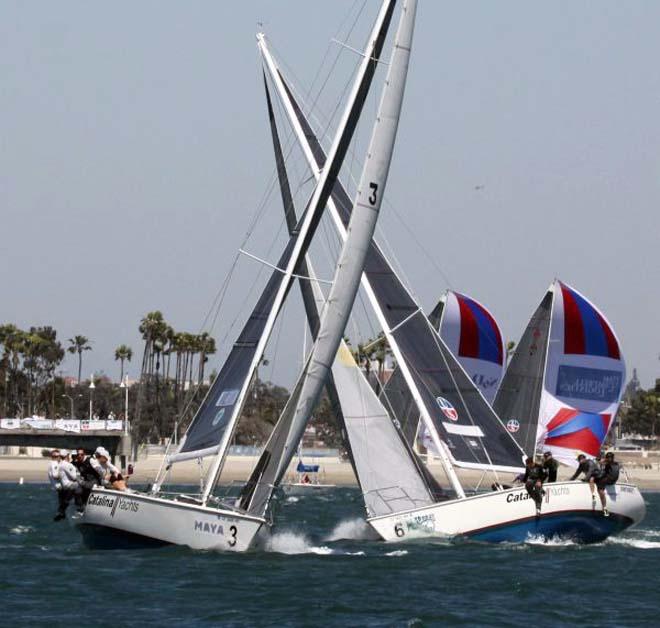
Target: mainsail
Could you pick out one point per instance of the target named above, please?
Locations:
(474, 436)
(565, 381)
(518, 399)
(281, 446)
(213, 425)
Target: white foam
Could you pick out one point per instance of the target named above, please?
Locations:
(636, 543)
(352, 529)
(21, 530)
(555, 541)
(397, 553)
(294, 543)
(292, 500)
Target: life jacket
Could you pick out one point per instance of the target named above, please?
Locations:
(87, 471)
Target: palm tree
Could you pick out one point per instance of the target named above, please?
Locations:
(78, 344)
(123, 353)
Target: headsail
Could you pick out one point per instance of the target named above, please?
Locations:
(474, 337)
(584, 377)
(563, 386)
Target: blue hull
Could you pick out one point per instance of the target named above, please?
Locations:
(580, 526)
(104, 538)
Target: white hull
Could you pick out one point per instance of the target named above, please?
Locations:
(568, 511)
(115, 519)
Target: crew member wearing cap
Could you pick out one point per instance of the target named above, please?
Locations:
(550, 465)
(608, 476)
(56, 483)
(109, 473)
(69, 478)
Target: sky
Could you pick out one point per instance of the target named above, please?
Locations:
(135, 153)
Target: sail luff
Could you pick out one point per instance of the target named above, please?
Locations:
(351, 263)
(312, 216)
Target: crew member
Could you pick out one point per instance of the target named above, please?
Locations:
(608, 476)
(69, 479)
(586, 466)
(550, 465)
(90, 474)
(534, 477)
(56, 483)
(109, 473)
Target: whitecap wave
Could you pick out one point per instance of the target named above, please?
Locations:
(21, 530)
(292, 499)
(294, 543)
(397, 553)
(636, 543)
(352, 529)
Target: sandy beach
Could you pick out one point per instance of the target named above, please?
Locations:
(333, 471)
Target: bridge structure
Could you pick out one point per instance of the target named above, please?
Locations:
(116, 442)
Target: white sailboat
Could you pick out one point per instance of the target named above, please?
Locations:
(401, 500)
(113, 518)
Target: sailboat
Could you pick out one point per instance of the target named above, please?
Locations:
(564, 384)
(113, 518)
(401, 500)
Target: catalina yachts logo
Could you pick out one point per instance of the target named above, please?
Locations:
(512, 425)
(447, 409)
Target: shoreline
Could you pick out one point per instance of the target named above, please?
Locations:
(333, 471)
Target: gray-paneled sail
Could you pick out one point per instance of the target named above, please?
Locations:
(477, 437)
(519, 397)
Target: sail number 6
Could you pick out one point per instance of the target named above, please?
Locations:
(398, 530)
(374, 189)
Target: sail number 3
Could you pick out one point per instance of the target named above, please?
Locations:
(233, 531)
(374, 189)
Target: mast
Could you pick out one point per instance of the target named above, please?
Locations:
(313, 161)
(312, 215)
(349, 267)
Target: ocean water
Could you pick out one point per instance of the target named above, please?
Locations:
(321, 567)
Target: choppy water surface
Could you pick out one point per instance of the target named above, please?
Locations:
(322, 567)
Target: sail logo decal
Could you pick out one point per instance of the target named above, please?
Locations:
(513, 425)
(218, 417)
(206, 527)
(227, 397)
(577, 382)
(580, 431)
(447, 409)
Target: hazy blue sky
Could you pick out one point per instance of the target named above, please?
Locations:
(134, 149)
